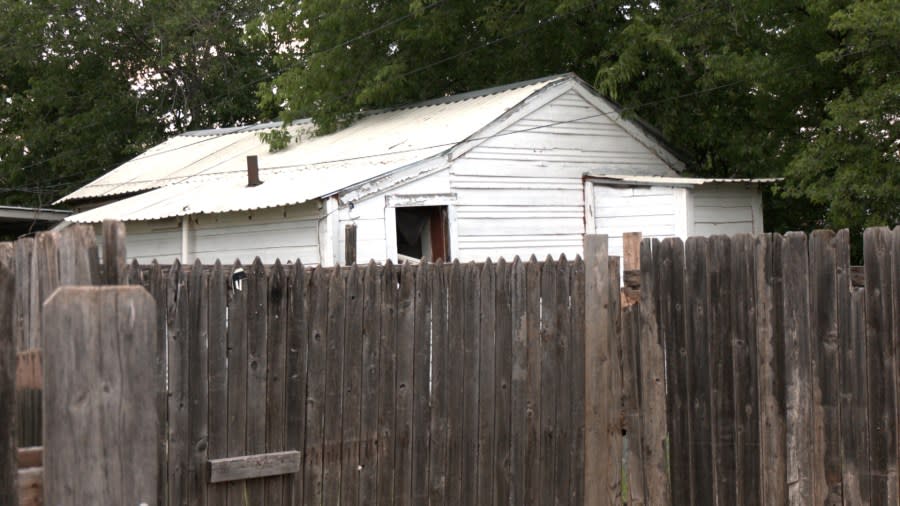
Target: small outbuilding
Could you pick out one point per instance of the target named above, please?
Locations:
(522, 169)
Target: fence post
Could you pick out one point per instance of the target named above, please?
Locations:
(601, 471)
(100, 385)
(8, 464)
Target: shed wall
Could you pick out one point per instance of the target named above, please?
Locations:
(726, 209)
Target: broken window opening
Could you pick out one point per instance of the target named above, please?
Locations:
(423, 232)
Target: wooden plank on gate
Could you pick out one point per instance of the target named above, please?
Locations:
(455, 320)
(158, 288)
(371, 331)
(334, 362)
(178, 323)
(564, 423)
(352, 382)
(503, 353)
(405, 357)
(420, 385)
(98, 340)
(8, 467)
(218, 374)
(315, 397)
(114, 256)
(653, 383)
(631, 405)
(549, 383)
(576, 371)
(79, 263)
(254, 466)
(851, 316)
(881, 363)
(237, 379)
(721, 361)
(256, 286)
(823, 324)
(44, 280)
(697, 347)
(518, 384)
(487, 401)
(276, 360)
(440, 388)
(198, 382)
(28, 371)
(24, 249)
(471, 329)
(387, 386)
(770, 364)
(599, 403)
(8, 255)
(798, 373)
(295, 374)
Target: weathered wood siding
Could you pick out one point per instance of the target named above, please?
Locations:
(725, 209)
(521, 193)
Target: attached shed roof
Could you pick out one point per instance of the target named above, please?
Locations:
(674, 181)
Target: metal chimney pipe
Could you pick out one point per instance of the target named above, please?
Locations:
(253, 171)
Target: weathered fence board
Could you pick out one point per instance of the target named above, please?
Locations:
(100, 390)
(8, 465)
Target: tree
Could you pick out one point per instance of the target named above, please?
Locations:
(86, 85)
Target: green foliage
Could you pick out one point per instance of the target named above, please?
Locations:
(277, 139)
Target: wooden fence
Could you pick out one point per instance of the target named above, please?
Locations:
(752, 371)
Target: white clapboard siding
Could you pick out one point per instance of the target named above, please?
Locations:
(286, 233)
(158, 240)
(726, 209)
(651, 210)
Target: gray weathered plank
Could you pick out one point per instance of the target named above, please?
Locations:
(387, 386)
(440, 388)
(24, 249)
(44, 280)
(471, 329)
(371, 331)
(455, 365)
(503, 353)
(115, 258)
(256, 286)
(158, 288)
(78, 256)
(334, 363)
(276, 361)
(198, 381)
(8, 466)
(315, 394)
(563, 358)
(721, 362)
(237, 382)
(254, 466)
(177, 332)
(99, 386)
(487, 401)
(881, 365)
(518, 384)
(352, 384)
(217, 360)
(549, 383)
(420, 385)
(295, 375)
(406, 303)
(576, 371)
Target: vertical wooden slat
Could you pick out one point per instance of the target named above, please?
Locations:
(295, 375)
(575, 370)
(198, 379)
(549, 383)
(851, 316)
(420, 386)
(721, 369)
(696, 298)
(823, 329)
(471, 352)
(455, 366)
(893, 292)
(179, 452)
(8, 466)
(881, 364)
(798, 373)
(24, 249)
(653, 383)
(440, 387)
(503, 352)
(352, 383)
(158, 289)
(44, 280)
(237, 382)
(387, 386)
(563, 455)
(533, 436)
(257, 365)
(518, 384)
(770, 363)
(313, 466)
(406, 307)
(276, 360)
(217, 356)
(334, 361)
(100, 434)
(744, 352)
(486, 387)
(78, 256)
(114, 255)
(631, 404)
(600, 479)
(670, 271)
(371, 331)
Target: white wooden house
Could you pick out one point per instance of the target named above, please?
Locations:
(522, 169)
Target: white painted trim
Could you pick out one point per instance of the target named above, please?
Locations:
(329, 239)
(390, 232)
(606, 107)
(757, 210)
(399, 177)
(420, 200)
(590, 223)
(690, 222)
(550, 92)
(452, 231)
(185, 239)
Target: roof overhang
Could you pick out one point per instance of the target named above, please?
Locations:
(682, 182)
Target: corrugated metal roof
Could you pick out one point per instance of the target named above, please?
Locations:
(675, 181)
(375, 144)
